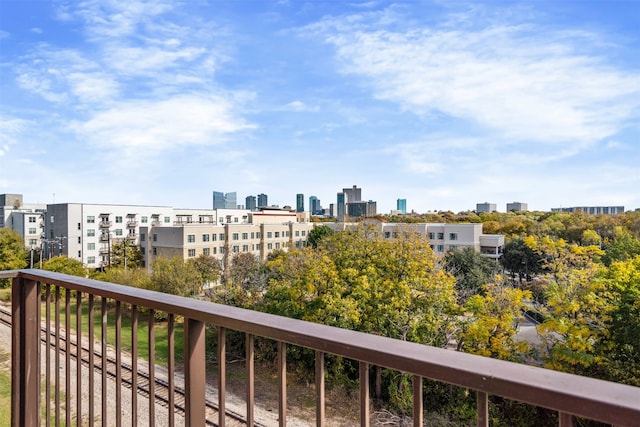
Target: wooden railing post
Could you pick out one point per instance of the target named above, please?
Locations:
(25, 354)
(195, 373)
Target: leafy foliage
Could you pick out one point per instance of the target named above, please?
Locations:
(62, 264)
(13, 254)
(471, 270)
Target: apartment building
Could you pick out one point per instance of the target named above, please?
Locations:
(86, 232)
(592, 210)
(441, 236)
(27, 220)
(221, 241)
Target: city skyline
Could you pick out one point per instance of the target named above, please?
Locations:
(443, 104)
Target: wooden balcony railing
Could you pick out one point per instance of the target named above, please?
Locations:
(36, 293)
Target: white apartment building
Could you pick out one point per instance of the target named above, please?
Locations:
(441, 236)
(24, 219)
(85, 232)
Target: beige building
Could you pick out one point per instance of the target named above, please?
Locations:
(441, 236)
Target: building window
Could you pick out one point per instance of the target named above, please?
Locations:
(431, 235)
(155, 251)
(235, 219)
(191, 238)
(269, 246)
(304, 233)
(253, 235)
(297, 233)
(91, 246)
(119, 220)
(245, 236)
(206, 251)
(245, 248)
(258, 247)
(214, 237)
(387, 234)
(258, 235)
(222, 237)
(91, 260)
(118, 231)
(155, 238)
(269, 234)
(215, 250)
(236, 249)
(33, 242)
(167, 219)
(142, 250)
(90, 220)
(144, 219)
(192, 252)
(221, 250)
(205, 237)
(235, 236)
(79, 226)
(143, 237)
(440, 248)
(91, 232)
(277, 234)
(286, 233)
(453, 236)
(277, 245)
(32, 219)
(440, 236)
(79, 239)
(32, 231)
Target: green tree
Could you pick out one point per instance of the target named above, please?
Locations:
(62, 264)
(472, 271)
(318, 233)
(13, 254)
(208, 268)
(622, 247)
(174, 276)
(521, 260)
(126, 254)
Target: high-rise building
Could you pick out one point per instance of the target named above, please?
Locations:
(218, 200)
(517, 207)
(262, 200)
(299, 202)
(231, 200)
(314, 205)
(341, 206)
(361, 209)
(401, 205)
(225, 200)
(593, 210)
(485, 207)
(250, 203)
(354, 194)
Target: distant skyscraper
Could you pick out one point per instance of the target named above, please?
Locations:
(314, 205)
(224, 201)
(218, 200)
(262, 200)
(361, 209)
(517, 207)
(401, 205)
(485, 207)
(299, 202)
(231, 200)
(354, 194)
(250, 203)
(341, 206)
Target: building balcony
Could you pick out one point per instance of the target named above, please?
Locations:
(104, 224)
(132, 224)
(104, 237)
(131, 236)
(155, 223)
(103, 251)
(56, 385)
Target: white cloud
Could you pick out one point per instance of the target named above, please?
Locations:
(155, 126)
(36, 30)
(299, 106)
(522, 82)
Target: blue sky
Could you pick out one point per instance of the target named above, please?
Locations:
(444, 103)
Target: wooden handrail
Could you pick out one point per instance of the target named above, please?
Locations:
(566, 393)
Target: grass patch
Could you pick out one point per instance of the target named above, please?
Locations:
(5, 294)
(5, 390)
(160, 328)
